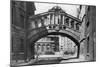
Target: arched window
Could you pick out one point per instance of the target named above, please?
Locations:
(72, 23)
(67, 21)
(88, 8)
(77, 26)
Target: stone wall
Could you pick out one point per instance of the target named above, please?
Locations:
(88, 31)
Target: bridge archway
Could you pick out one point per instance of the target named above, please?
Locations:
(55, 22)
(32, 43)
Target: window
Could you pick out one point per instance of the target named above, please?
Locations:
(21, 19)
(61, 47)
(48, 46)
(38, 46)
(80, 7)
(88, 8)
(43, 46)
(77, 26)
(22, 45)
(72, 23)
(88, 44)
(88, 24)
(67, 21)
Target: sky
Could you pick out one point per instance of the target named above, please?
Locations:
(43, 7)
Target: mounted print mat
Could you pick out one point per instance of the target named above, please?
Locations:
(52, 33)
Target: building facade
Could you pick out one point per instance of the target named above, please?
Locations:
(55, 45)
(20, 11)
(88, 30)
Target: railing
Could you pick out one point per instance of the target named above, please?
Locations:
(54, 20)
(61, 27)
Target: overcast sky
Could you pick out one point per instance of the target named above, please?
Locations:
(43, 7)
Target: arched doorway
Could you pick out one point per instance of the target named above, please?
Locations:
(56, 45)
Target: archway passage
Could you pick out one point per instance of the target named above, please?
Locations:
(53, 22)
(54, 48)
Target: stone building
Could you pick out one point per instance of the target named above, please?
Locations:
(47, 45)
(88, 32)
(55, 45)
(20, 11)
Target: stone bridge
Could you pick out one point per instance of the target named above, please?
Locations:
(54, 21)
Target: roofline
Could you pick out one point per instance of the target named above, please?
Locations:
(46, 13)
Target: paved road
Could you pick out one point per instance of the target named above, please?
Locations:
(42, 62)
(48, 62)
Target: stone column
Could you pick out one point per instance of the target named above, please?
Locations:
(42, 22)
(56, 22)
(63, 20)
(52, 19)
(70, 23)
(59, 19)
(75, 25)
(49, 19)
